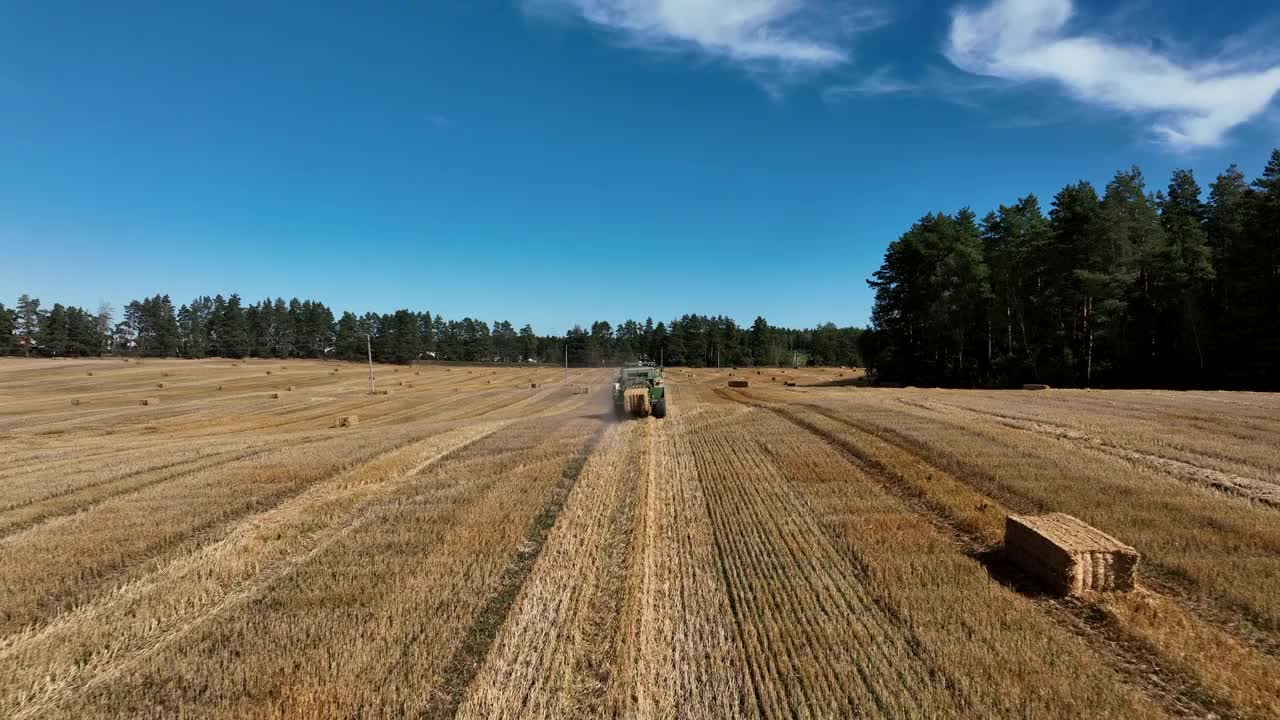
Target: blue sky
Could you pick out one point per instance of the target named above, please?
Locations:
(560, 161)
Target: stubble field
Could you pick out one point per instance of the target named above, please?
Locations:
(477, 547)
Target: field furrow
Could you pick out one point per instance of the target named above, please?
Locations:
(329, 633)
(552, 658)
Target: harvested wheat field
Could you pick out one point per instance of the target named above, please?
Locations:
(490, 543)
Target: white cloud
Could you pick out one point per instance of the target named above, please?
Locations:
(1194, 103)
(882, 81)
(793, 34)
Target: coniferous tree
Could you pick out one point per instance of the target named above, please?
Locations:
(8, 326)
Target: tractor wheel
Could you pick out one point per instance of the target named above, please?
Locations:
(660, 408)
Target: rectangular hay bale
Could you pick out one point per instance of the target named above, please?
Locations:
(346, 421)
(1068, 555)
(150, 401)
(1035, 386)
(274, 395)
(738, 383)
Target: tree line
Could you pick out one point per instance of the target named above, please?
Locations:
(227, 327)
(1127, 288)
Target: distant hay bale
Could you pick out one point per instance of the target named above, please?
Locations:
(125, 359)
(789, 384)
(75, 401)
(346, 421)
(738, 383)
(533, 385)
(274, 395)
(1035, 386)
(1068, 555)
(268, 372)
(581, 390)
(164, 374)
(149, 401)
(160, 385)
(289, 388)
(219, 387)
(759, 373)
(382, 392)
(399, 382)
(89, 373)
(417, 372)
(395, 370)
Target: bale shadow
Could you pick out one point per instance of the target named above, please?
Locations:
(1008, 573)
(839, 382)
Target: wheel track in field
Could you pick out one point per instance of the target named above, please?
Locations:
(479, 636)
(213, 528)
(114, 488)
(188, 621)
(1256, 490)
(1129, 655)
(21, 463)
(766, 533)
(26, 466)
(1238, 620)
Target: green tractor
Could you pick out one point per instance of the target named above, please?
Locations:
(639, 391)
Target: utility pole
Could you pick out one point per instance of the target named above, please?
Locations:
(566, 363)
(368, 346)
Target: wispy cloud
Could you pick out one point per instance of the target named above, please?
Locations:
(436, 119)
(1194, 103)
(787, 35)
(882, 81)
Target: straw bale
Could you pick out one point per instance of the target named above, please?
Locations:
(346, 421)
(1035, 386)
(636, 400)
(738, 383)
(1069, 556)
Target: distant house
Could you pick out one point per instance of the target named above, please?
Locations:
(26, 344)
